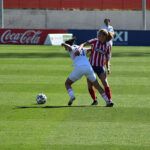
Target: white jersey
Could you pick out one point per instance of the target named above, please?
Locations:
(82, 65)
(109, 29)
(80, 60)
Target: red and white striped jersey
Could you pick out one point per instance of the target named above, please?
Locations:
(100, 52)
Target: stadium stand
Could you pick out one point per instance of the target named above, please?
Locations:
(75, 4)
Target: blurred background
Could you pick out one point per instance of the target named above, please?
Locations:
(80, 15)
(74, 14)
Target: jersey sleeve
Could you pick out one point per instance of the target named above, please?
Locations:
(92, 41)
(111, 29)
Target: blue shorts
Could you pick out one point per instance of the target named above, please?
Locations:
(99, 70)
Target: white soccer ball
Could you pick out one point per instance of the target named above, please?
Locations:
(41, 98)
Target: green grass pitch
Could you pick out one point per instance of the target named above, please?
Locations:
(26, 71)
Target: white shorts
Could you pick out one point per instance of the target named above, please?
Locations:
(80, 71)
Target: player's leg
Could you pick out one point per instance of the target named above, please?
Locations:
(68, 84)
(73, 77)
(92, 92)
(103, 78)
(92, 78)
(104, 81)
(101, 91)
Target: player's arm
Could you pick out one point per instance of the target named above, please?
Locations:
(67, 46)
(108, 58)
(81, 47)
(84, 44)
(108, 65)
(88, 49)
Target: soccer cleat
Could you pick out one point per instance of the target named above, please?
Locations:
(71, 101)
(95, 102)
(110, 104)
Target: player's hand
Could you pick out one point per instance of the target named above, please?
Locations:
(77, 53)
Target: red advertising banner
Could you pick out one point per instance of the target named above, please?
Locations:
(77, 4)
(25, 36)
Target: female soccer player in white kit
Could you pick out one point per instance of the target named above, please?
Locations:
(82, 67)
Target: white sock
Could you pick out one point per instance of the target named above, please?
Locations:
(71, 93)
(104, 96)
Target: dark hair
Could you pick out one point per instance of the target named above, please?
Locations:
(107, 19)
(71, 41)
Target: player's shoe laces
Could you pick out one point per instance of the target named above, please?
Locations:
(94, 103)
(110, 104)
(71, 101)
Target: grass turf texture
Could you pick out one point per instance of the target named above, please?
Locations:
(26, 71)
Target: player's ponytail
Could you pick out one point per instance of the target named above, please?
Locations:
(109, 36)
(71, 41)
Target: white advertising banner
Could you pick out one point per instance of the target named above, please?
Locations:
(57, 39)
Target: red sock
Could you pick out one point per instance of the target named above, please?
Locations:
(108, 92)
(92, 93)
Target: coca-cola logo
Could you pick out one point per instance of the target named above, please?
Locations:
(26, 37)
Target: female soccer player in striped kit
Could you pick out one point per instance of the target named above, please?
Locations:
(99, 58)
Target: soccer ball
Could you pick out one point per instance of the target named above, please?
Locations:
(41, 98)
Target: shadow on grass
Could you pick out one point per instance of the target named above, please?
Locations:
(57, 55)
(81, 106)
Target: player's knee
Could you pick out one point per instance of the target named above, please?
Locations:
(89, 84)
(68, 83)
(105, 84)
(90, 89)
(95, 83)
